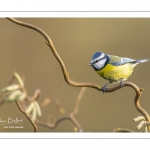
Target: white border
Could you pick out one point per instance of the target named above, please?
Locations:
(75, 5)
(73, 135)
(77, 14)
(79, 5)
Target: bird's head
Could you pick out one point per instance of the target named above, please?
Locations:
(99, 60)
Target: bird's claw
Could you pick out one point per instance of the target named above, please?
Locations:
(104, 88)
(121, 83)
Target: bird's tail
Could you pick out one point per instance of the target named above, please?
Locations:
(141, 61)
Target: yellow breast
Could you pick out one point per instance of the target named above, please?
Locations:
(115, 73)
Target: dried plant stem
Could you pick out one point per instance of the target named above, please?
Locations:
(34, 97)
(81, 93)
(122, 130)
(76, 84)
(53, 126)
(21, 109)
(2, 101)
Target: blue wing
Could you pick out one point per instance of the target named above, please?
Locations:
(118, 61)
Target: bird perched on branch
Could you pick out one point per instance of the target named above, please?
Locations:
(113, 68)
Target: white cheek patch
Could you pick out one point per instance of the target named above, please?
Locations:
(100, 64)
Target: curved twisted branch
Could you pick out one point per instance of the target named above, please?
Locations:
(21, 109)
(53, 126)
(76, 84)
(50, 44)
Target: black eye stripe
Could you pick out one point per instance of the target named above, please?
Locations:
(98, 60)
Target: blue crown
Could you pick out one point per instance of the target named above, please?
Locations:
(97, 54)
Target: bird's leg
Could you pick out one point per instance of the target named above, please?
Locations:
(104, 88)
(121, 83)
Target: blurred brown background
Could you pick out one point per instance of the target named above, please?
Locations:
(76, 40)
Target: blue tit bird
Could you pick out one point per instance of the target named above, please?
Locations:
(113, 68)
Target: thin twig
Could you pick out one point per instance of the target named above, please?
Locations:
(122, 130)
(76, 84)
(35, 96)
(76, 123)
(56, 102)
(81, 93)
(2, 101)
(21, 109)
(53, 126)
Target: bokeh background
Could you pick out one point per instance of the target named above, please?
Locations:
(76, 40)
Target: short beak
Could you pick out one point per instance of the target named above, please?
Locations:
(90, 64)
